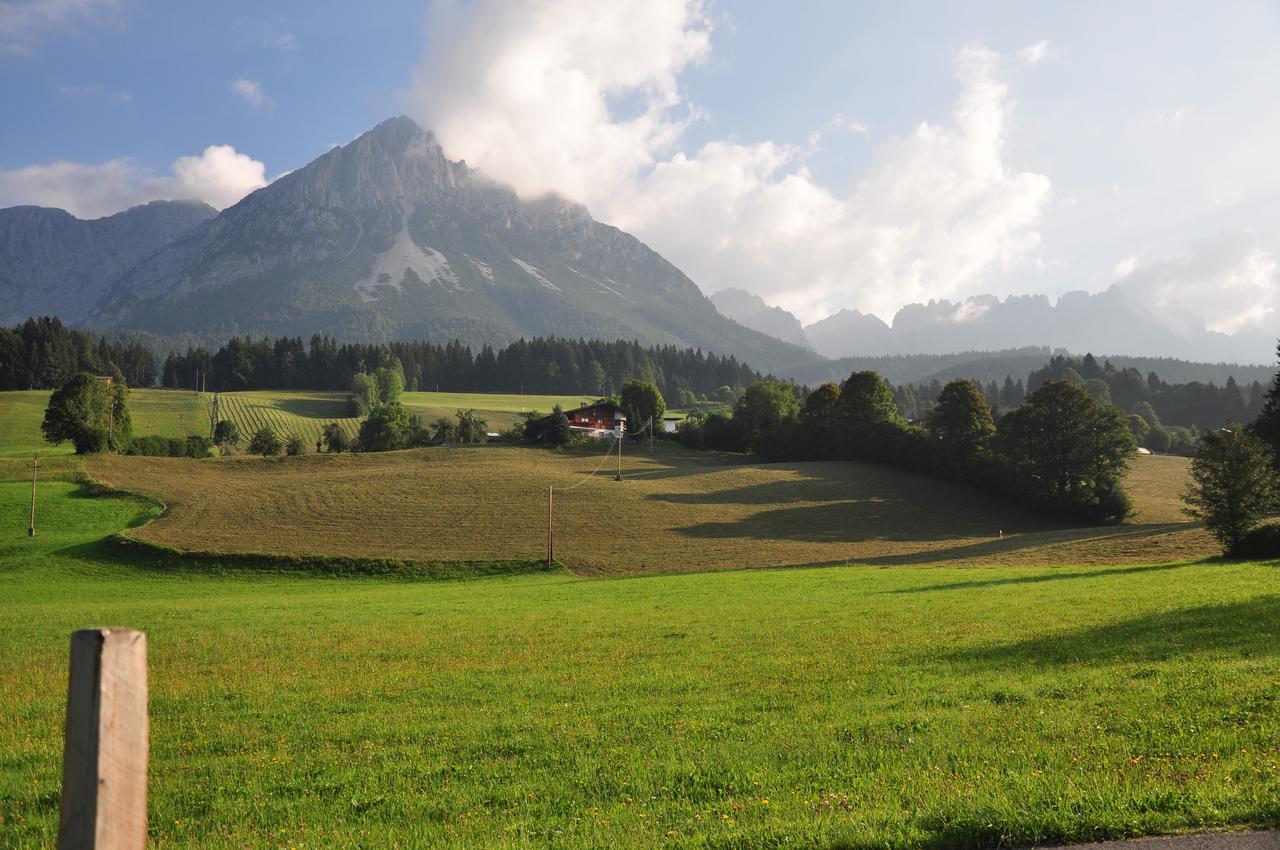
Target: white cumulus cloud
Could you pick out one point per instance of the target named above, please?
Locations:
(526, 89)
(1225, 284)
(251, 92)
(584, 99)
(1033, 53)
(219, 176)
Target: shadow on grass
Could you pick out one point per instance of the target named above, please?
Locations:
(1251, 627)
(126, 553)
(901, 517)
(315, 408)
(1057, 575)
(1033, 540)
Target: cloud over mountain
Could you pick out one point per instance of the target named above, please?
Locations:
(219, 176)
(585, 100)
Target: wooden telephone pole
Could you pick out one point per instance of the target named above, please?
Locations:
(35, 470)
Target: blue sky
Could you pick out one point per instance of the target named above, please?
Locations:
(822, 154)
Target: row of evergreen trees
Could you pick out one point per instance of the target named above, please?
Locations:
(44, 354)
(552, 366)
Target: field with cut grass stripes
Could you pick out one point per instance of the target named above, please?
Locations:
(287, 412)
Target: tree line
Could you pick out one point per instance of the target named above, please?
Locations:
(1061, 450)
(1172, 415)
(540, 366)
(43, 353)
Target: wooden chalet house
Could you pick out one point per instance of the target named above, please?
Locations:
(599, 419)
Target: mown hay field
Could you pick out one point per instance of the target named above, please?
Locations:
(677, 510)
(500, 411)
(833, 707)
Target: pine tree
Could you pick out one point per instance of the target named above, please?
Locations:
(1267, 425)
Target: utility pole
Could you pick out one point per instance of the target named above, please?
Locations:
(551, 533)
(35, 470)
(650, 436)
(621, 432)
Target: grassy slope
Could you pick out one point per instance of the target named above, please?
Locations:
(678, 510)
(162, 412)
(827, 707)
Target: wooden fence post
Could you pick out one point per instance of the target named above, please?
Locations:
(104, 763)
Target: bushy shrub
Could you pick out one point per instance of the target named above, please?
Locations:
(721, 433)
(335, 439)
(1261, 543)
(385, 429)
(197, 446)
(193, 446)
(293, 445)
(226, 433)
(265, 442)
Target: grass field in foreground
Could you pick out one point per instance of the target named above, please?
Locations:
(852, 707)
(677, 510)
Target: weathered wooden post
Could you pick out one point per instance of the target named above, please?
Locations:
(104, 763)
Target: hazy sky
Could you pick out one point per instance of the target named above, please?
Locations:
(821, 154)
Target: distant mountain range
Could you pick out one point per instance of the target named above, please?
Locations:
(385, 238)
(1079, 322)
(380, 239)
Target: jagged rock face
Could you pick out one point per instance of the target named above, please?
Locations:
(752, 311)
(385, 238)
(51, 261)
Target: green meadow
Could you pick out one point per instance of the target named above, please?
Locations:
(835, 707)
(173, 413)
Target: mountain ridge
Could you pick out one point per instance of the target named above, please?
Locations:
(48, 254)
(386, 238)
(1112, 320)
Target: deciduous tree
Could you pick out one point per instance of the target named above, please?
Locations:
(1068, 450)
(962, 420)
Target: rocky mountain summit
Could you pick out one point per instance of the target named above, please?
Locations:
(386, 238)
